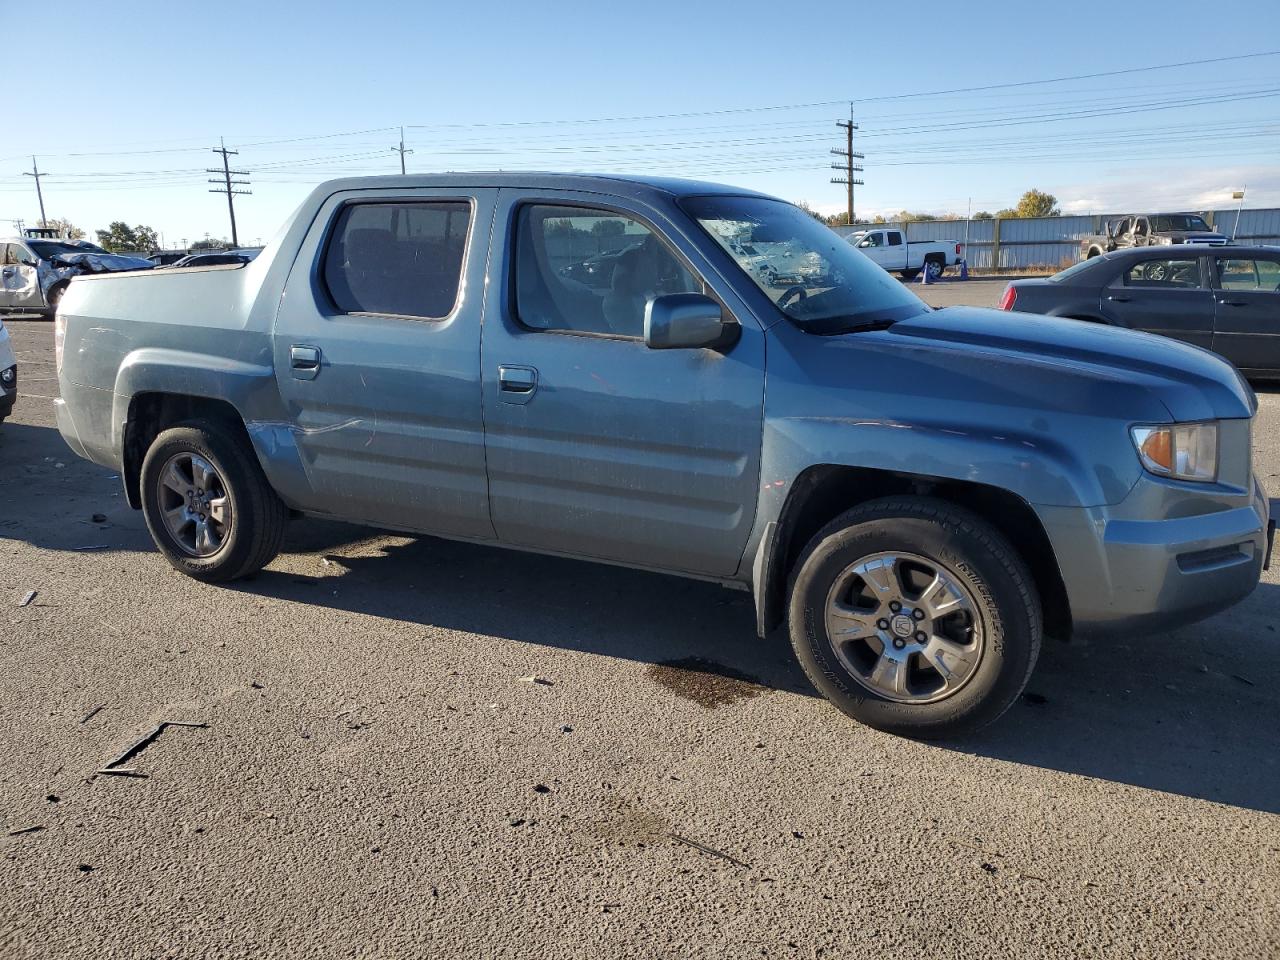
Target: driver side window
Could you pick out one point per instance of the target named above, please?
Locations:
(583, 270)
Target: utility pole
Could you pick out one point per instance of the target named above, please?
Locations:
(848, 167)
(35, 172)
(401, 150)
(228, 188)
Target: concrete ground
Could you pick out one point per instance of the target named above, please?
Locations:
(376, 776)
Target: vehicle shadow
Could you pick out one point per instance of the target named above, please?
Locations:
(1188, 712)
(1191, 712)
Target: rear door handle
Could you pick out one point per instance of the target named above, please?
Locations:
(1232, 303)
(1118, 299)
(516, 384)
(304, 361)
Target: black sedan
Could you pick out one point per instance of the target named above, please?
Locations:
(1226, 299)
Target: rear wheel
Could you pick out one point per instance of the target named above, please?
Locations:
(935, 268)
(208, 505)
(915, 617)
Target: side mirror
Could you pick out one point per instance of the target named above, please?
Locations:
(686, 321)
(864, 242)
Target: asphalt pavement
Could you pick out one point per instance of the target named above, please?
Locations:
(416, 748)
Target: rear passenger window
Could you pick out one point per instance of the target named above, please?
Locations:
(1163, 274)
(403, 259)
(580, 270)
(895, 239)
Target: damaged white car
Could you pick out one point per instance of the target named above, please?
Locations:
(34, 273)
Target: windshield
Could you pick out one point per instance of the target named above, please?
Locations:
(810, 272)
(1181, 221)
(48, 249)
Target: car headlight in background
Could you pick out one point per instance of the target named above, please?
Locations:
(1182, 451)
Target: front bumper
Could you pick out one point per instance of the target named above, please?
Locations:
(1124, 571)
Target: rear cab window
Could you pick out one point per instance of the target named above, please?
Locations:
(401, 258)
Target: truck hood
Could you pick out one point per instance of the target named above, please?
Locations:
(1194, 236)
(1191, 383)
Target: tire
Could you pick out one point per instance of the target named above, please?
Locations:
(254, 518)
(998, 611)
(54, 297)
(935, 268)
(909, 274)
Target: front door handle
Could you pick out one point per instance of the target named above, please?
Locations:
(304, 361)
(516, 384)
(1232, 303)
(1118, 299)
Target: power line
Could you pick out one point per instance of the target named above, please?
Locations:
(229, 188)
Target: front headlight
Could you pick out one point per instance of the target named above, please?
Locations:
(1183, 451)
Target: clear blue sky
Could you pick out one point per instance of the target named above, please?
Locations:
(124, 122)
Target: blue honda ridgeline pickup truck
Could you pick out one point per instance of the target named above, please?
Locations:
(593, 367)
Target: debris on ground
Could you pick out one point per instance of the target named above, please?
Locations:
(516, 821)
(99, 518)
(122, 772)
(93, 713)
(85, 868)
(1236, 676)
(26, 601)
(18, 831)
(139, 746)
(610, 907)
(566, 729)
(534, 678)
(541, 788)
(708, 850)
(1038, 699)
(990, 867)
(91, 547)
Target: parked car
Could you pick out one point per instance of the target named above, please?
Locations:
(8, 374)
(35, 273)
(1156, 230)
(212, 260)
(891, 250)
(165, 258)
(920, 494)
(1225, 299)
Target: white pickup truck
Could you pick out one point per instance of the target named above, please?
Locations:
(889, 248)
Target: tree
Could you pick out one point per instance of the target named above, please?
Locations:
(120, 236)
(804, 205)
(65, 227)
(906, 216)
(1034, 203)
(608, 228)
(983, 215)
(840, 219)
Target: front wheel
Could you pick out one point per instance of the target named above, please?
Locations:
(915, 617)
(208, 505)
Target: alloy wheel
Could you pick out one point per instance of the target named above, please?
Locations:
(905, 627)
(194, 504)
